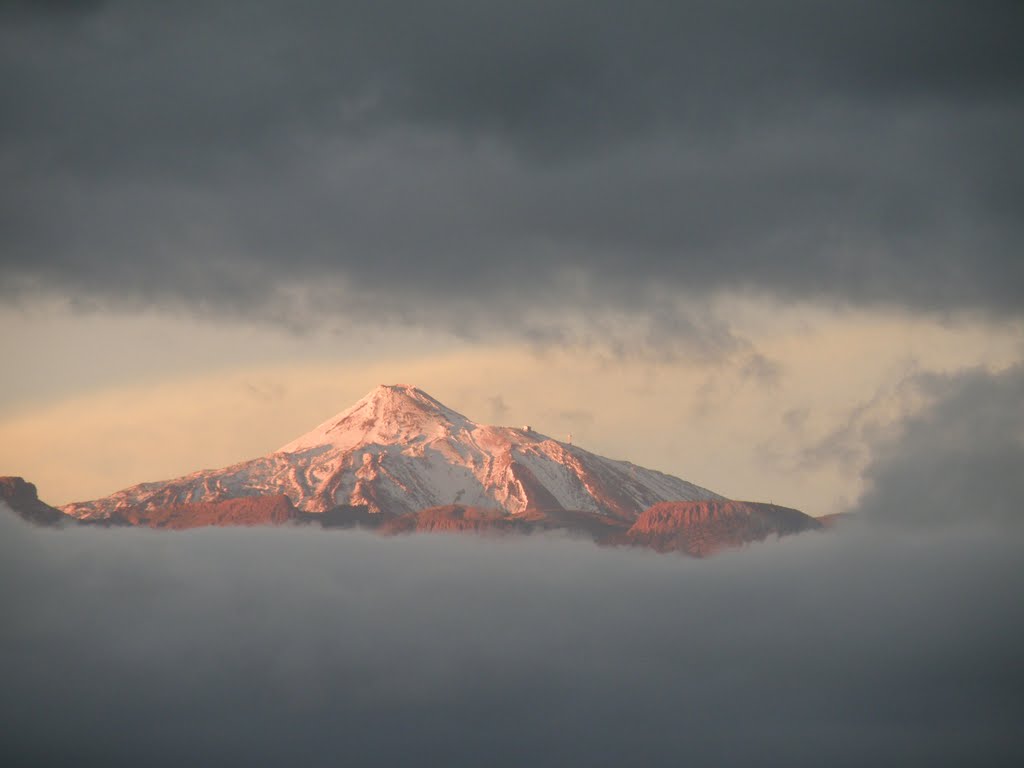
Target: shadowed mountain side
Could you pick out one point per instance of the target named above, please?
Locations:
(702, 528)
(22, 497)
(454, 518)
(697, 528)
(345, 516)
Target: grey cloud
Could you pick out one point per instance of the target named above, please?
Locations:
(959, 462)
(795, 418)
(467, 164)
(762, 370)
(866, 426)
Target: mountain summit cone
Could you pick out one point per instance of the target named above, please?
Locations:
(390, 413)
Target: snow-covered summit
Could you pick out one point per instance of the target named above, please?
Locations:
(390, 413)
(399, 450)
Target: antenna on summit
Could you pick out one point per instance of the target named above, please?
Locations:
(569, 439)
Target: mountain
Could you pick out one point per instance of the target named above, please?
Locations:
(21, 496)
(398, 450)
(702, 528)
(272, 509)
(399, 461)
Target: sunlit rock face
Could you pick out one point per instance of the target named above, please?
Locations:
(705, 527)
(272, 509)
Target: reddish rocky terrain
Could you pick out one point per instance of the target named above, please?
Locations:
(274, 509)
(702, 528)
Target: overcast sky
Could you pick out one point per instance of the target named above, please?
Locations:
(505, 155)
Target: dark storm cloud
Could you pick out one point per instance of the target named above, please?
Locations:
(476, 164)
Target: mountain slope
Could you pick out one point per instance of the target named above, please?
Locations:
(272, 509)
(400, 451)
(22, 498)
(704, 527)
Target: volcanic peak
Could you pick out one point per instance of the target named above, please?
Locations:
(398, 451)
(388, 414)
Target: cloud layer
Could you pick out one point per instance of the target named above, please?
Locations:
(256, 647)
(468, 161)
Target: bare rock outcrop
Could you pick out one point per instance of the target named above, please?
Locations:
(702, 528)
